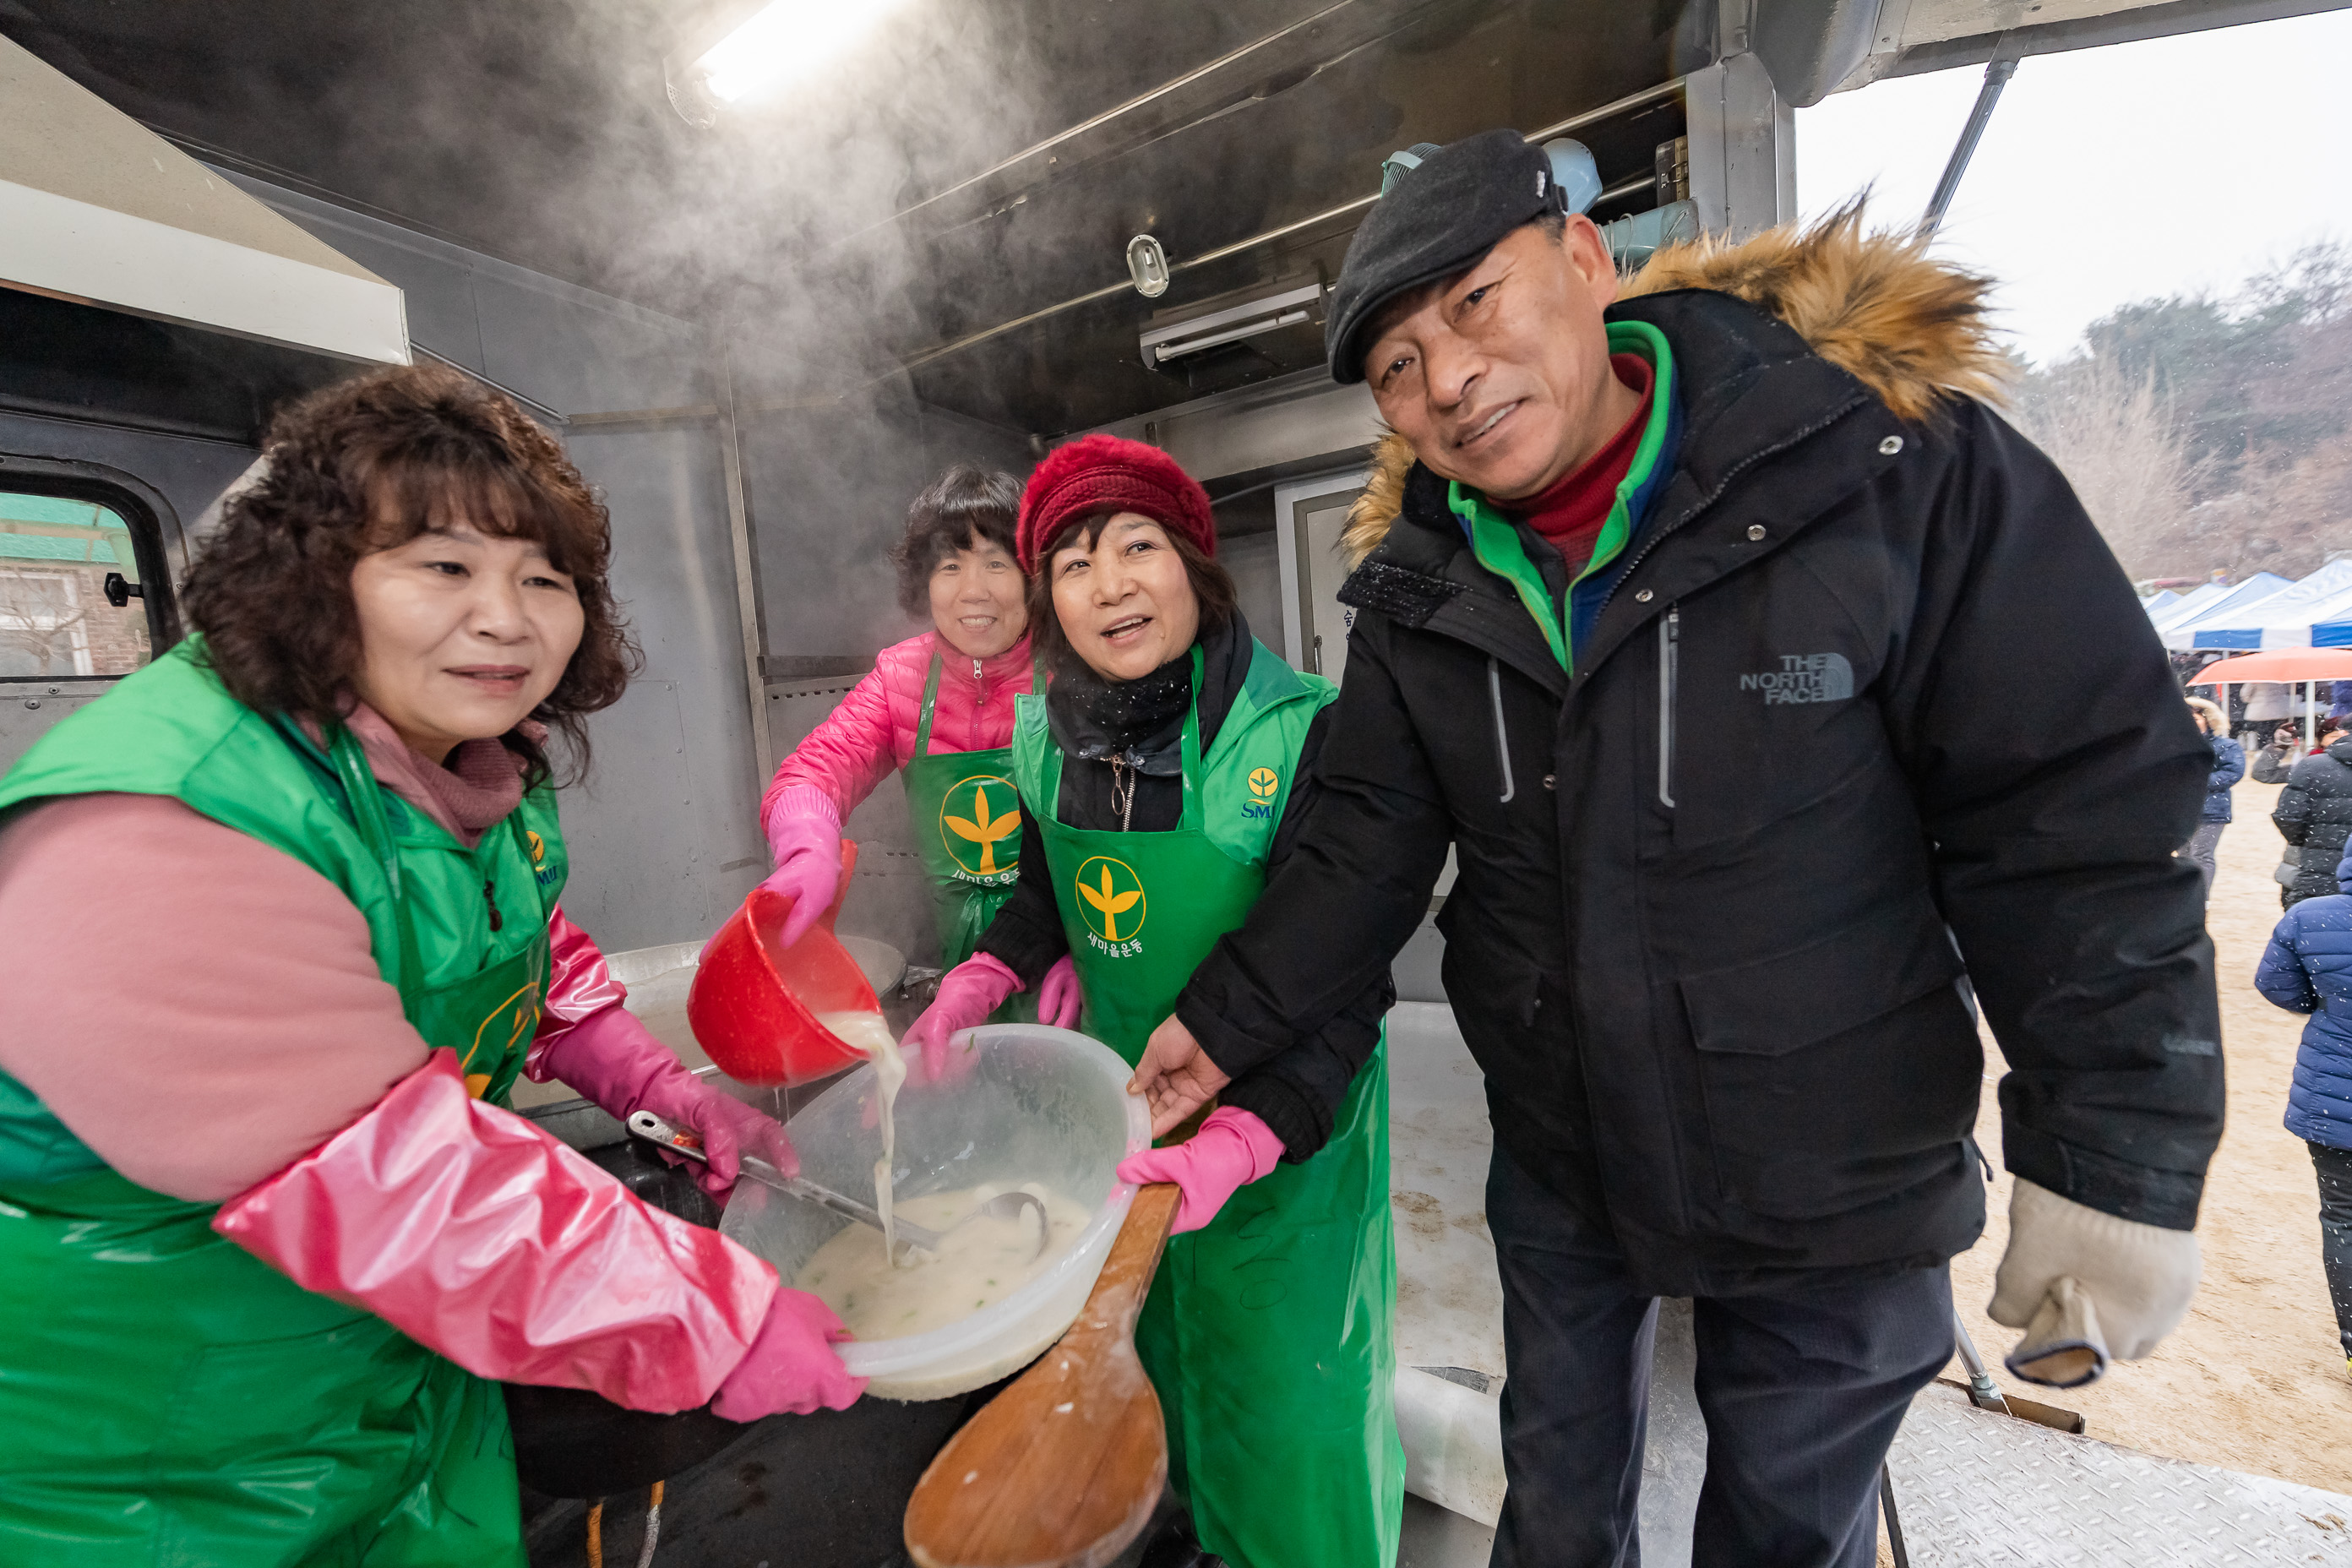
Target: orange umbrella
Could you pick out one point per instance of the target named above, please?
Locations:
(2280, 664)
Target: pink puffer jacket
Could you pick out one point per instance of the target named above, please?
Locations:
(873, 731)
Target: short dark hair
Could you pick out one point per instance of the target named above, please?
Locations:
(1213, 585)
(368, 465)
(964, 506)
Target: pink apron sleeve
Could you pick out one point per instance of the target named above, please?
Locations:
(843, 757)
(484, 1239)
(580, 984)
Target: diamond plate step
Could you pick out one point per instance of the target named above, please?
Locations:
(1979, 1489)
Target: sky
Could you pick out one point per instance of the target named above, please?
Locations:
(2110, 175)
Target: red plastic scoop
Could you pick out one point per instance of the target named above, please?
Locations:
(754, 1006)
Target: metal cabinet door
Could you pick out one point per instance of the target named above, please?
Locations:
(1309, 516)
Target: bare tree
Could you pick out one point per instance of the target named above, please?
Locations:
(40, 624)
(2289, 513)
(2121, 446)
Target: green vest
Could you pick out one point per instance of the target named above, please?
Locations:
(1234, 800)
(1268, 1334)
(220, 1412)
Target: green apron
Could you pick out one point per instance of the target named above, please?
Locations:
(967, 821)
(174, 1400)
(1269, 1335)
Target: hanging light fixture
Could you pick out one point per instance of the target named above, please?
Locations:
(779, 43)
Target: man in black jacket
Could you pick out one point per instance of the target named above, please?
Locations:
(2313, 814)
(1714, 629)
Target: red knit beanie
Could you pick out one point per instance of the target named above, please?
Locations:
(1104, 473)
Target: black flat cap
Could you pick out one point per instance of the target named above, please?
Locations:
(1436, 220)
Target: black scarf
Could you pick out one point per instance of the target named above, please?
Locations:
(1138, 722)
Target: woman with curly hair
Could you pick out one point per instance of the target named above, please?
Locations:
(266, 1228)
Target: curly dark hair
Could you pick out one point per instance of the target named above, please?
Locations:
(963, 507)
(368, 465)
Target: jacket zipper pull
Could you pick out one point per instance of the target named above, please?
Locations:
(491, 899)
(1670, 655)
(1502, 736)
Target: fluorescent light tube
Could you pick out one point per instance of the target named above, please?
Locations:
(783, 41)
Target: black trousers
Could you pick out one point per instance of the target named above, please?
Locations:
(2335, 1167)
(1802, 1388)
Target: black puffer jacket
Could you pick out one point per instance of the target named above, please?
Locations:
(1713, 890)
(2315, 813)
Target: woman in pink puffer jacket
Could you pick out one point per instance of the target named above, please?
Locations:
(938, 708)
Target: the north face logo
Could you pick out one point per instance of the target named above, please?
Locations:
(1803, 677)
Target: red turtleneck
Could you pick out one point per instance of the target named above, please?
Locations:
(1570, 513)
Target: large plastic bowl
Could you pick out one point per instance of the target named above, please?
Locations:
(1037, 1104)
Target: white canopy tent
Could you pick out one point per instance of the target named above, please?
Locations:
(2233, 600)
(2283, 619)
(2190, 603)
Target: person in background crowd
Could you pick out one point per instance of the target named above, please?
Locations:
(938, 708)
(2267, 707)
(2271, 764)
(2307, 968)
(2229, 767)
(2313, 814)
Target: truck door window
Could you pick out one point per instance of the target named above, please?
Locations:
(60, 613)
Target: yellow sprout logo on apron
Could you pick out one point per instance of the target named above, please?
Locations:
(520, 1013)
(976, 817)
(1110, 901)
(1264, 785)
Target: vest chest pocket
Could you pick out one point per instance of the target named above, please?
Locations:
(1755, 723)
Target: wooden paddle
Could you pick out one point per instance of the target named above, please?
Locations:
(1063, 1468)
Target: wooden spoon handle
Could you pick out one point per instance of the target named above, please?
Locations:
(1061, 1469)
(1117, 1300)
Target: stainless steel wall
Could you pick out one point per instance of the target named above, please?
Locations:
(829, 489)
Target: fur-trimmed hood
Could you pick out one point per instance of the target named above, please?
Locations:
(1911, 329)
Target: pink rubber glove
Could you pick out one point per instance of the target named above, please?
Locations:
(804, 836)
(616, 1061)
(791, 1369)
(1231, 1149)
(968, 993)
(483, 1238)
(1059, 1000)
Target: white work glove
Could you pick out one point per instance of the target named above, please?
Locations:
(2082, 1285)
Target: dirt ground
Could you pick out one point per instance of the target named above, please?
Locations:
(2254, 1380)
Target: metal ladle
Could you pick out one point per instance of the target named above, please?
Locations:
(1011, 1205)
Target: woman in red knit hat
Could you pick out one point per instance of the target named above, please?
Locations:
(1163, 777)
